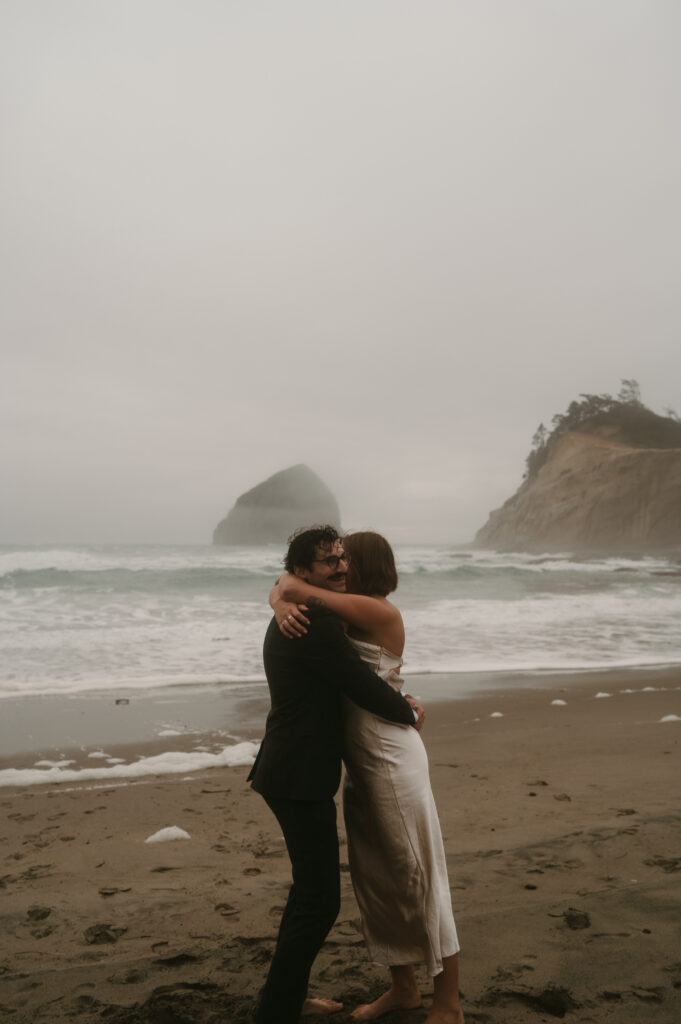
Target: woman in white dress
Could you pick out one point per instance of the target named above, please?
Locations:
(395, 849)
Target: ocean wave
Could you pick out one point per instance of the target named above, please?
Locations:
(94, 686)
(77, 620)
(548, 665)
(259, 560)
(210, 567)
(453, 562)
(255, 686)
(140, 579)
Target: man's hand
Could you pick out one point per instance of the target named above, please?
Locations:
(418, 711)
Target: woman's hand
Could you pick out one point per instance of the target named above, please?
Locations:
(290, 617)
(288, 614)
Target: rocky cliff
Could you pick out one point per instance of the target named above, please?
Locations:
(593, 492)
(270, 512)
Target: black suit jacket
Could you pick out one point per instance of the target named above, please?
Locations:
(300, 756)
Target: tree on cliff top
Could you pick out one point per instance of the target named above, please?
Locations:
(624, 419)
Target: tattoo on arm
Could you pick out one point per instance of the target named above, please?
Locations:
(315, 602)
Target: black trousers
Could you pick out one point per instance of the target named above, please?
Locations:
(309, 828)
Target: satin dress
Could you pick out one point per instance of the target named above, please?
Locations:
(395, 850)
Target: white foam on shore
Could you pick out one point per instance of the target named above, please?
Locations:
(671, 718)
(603, 694)
(168, 835)
(170, 763)
(559, 703)
(497, 714)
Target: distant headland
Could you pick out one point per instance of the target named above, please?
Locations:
(606, 478)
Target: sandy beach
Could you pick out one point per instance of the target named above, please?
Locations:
(562, 830)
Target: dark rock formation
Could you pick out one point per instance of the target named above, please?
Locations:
(595, 493)
(270, 512)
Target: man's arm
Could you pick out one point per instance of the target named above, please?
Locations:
(341, 665)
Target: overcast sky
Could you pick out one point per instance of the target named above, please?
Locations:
(383, 238)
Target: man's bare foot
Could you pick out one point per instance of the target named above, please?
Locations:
(453, 1016)
(393, 999)
(320, 1006)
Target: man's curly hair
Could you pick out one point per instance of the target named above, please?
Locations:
(303, 544)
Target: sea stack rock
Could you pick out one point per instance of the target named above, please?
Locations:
(270, 512)
(610, 485)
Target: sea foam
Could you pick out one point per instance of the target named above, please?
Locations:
(168, 835)
(170, 763)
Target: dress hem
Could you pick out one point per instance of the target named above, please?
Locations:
(434, 967)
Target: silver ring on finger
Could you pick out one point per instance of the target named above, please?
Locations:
(290, 618)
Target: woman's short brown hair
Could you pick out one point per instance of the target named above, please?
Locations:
(372, 567)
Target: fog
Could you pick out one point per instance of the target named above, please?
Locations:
(385, 239)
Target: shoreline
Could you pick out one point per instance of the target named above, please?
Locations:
(130, 724)
(561, 827)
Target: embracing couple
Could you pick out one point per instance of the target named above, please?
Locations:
(332, 655)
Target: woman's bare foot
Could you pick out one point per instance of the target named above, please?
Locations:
(393, 999)
(319, 1007)
(453, 1016)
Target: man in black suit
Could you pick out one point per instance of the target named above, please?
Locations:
(298, 767)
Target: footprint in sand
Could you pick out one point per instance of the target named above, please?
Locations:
(561, 865)
(102, 934)
(38, 913)
(668, 864)
(555, 1000)
(179, 960)
(128, 977)
(227, 910)
(649, 995)
(37, 871)
(575, 919)
(511, 972)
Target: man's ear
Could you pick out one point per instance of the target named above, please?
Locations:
(301, 572)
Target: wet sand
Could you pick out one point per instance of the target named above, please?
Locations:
(562, 828)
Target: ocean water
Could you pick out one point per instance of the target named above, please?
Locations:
(81, 620)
